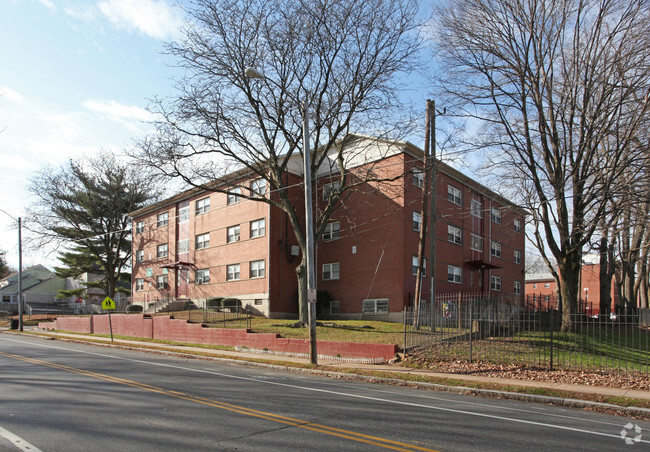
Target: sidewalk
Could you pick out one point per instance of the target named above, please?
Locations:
(334, 366)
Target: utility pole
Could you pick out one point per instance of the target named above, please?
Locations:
(433, 208)
(309, 230)
(20, 275)
(423, 226)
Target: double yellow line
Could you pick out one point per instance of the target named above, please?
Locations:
(320, 428)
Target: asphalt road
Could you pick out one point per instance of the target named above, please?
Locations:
(58, 396)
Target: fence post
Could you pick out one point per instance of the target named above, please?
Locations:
(471, 332)
(551, 321)
(404, 316)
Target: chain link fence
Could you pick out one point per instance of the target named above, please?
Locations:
(474, 327)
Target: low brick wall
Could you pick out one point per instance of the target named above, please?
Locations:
(168, 328)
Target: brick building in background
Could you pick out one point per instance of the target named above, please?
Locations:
(199, 244)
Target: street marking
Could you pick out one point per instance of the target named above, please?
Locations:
(17, 441)
(320, 428)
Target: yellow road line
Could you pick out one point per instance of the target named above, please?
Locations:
(320, 428)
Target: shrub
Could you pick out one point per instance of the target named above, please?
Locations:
(232, 303)
(214, 302)
(134, 308)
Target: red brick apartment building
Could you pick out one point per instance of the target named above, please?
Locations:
(200, 244)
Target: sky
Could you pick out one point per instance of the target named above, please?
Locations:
(75, 77)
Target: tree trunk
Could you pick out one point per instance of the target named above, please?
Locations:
(569, 273)
(605, 279)
(303, 305)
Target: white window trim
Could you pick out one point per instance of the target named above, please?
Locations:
(375, 306)
(495, 249)
(495, 215)
(139, 284)
(234, 196)
(233, 234)
(451, 270)
(517, 256)
(329, 188)
(418, 177)
(451, 195)
(332, 231)
(332, 269)
(262, 269)
(202, 206)
(162, 250)
(479, 241)
(456, 238)
(164, 221)
(476, 208)
(203, 243)
(495, 283)
(417, 221)
(139, 227)
(202, 276)
(230, 276)
(255, 232)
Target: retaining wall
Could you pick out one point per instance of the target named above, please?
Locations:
(168, 328)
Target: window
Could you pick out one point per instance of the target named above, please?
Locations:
(6, 298)
(496, 249)
(258, 188)
(335, 307)
(375, 306)
(258, 228)
(149, 272)
(454, 274)
(517, 257)
(330, 189)
(232, 272)
(332, 231)
(476, 208)
(202, 206)
(517, 287)
(234, 195)
(547, 285)
(454, 195)
(139, 284)
(495, 283)
(454, 234)
(202, 241)
(415, 264)
(162, 219)
(183, 246)
(257, 269)
(139, 227)
(161, 281)
(495, 215)
(139, 255)
(535, 286)
(162, 250)
(233, 234)
(330, 271)
(418, 177)
(517, 225)
(202, 276)
(417, 221)
(258, 302)
(477, 243)
(183, 214)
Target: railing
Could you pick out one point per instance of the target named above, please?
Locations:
(235, 317)
(475, 328)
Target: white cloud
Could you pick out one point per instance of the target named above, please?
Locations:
(118, 111)
(48, 4)
(153, 18)
(9, 94)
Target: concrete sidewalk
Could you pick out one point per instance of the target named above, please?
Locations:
(335, 366)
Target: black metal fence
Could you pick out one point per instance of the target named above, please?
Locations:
(474, 328)
(236, 317)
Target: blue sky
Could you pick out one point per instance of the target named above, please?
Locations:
(75, 77)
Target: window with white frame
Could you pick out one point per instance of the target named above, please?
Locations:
(415, 263)
(258, 188)
(517, 287)
(454, 274)
(517, 254)
(454, 234)
(496, 249)
(330, 189)
(162, 250)
(417, 221)
(418, 177)
(332, 231)
(495, 283)
(139, 227)
(257, 269)
(258, 228)
(547, 285)
(476, 208)
(183, 246)
(149, 272)
(375, 306)
(233, 234)
(232, 272)
(331, 271)
(517, 225)
(202, 276)
(139, 284)
(234, 195)
(477, 243)
(203, 205)
(162, 219)
(495, 215)
(139, 255)
(202, 241)
(454, 195)
(184, 214)
(161, 281)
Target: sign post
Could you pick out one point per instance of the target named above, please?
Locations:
(109, 305)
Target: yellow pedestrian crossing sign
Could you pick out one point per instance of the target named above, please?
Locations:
(108, 304)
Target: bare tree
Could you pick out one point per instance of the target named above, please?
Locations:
(342, 57)
(556, 83)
